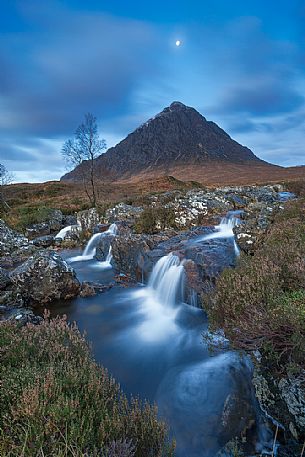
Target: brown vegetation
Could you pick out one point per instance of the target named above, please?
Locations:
(56, 401)
(261, 304)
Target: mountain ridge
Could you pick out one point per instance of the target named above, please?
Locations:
(177, 136)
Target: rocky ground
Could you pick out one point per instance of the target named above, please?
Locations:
(32, 272)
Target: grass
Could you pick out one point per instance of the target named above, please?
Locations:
(56, 401)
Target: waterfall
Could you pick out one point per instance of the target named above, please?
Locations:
(224, 230)
(90, 249)
(70, 228)
(167, 280)
(159, 299)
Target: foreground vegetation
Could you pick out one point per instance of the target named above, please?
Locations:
(261, 304)
(56, 401)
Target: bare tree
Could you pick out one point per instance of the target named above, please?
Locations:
(5, 178)
(82, 150)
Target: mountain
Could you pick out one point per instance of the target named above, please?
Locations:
(176, 138)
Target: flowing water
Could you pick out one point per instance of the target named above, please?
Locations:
(153, 344)
(224, 230)
(64, 232)
(90, 249)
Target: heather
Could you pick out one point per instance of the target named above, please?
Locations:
(261, 303)
(56, 401)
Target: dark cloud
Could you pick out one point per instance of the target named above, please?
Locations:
(80, 63)
(263, 99)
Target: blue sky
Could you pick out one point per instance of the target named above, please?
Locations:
(241, 64)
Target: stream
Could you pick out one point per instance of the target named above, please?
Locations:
(152, 343)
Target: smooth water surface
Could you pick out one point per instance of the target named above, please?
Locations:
(153, 345)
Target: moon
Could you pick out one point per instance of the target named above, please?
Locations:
(178, 43)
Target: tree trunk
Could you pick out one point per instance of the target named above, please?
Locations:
(92, 183)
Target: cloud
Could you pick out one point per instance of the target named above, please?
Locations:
(71, 63)
(64, 62)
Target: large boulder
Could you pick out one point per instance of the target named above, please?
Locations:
(10, 240)
(45, 277)
(55, 220)
(282, 398)
(123, 212)
(37, 230)
(129, 254)
(88, 219)
(43, 241)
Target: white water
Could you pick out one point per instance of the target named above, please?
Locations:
(90, 249)
(70, 228)
(160, 299)
(167, 280)
(223, 230)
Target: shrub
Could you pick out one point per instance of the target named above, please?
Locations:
(261, 304)
(297, 187)
(152, 220)
(56, 401)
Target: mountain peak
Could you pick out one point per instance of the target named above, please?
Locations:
(177, 106)
(178, 136)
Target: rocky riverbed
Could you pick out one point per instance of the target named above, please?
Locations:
(34, 274)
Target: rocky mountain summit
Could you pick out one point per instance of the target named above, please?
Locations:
(177, 136)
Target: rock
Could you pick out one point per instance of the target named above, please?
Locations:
(87, 290)
(282, 399)
(43, 241)
(38, 230)
(103, 246)
(4, 279)
(292, 391)
(55, 220)
(10, 240)
(45, 277)
(23, 317)
(129, 254)
(69, 219)
(123, 212)
(88, 219)
(100, 228)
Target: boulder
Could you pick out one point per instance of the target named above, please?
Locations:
(45, 277)
(10, 240)
(43, 241)
(129, 254)
(38, 230)
(88, 219)
(55, 220)
(69, 219)
(283, 399)
(123, 212)
(103, 247)
(4, 279)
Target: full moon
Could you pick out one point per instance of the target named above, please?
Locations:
(178, 43)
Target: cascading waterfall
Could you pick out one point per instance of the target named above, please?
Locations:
(70, 228)
(167, 280)
(160, 299)
(224, 230)
(90, 249)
